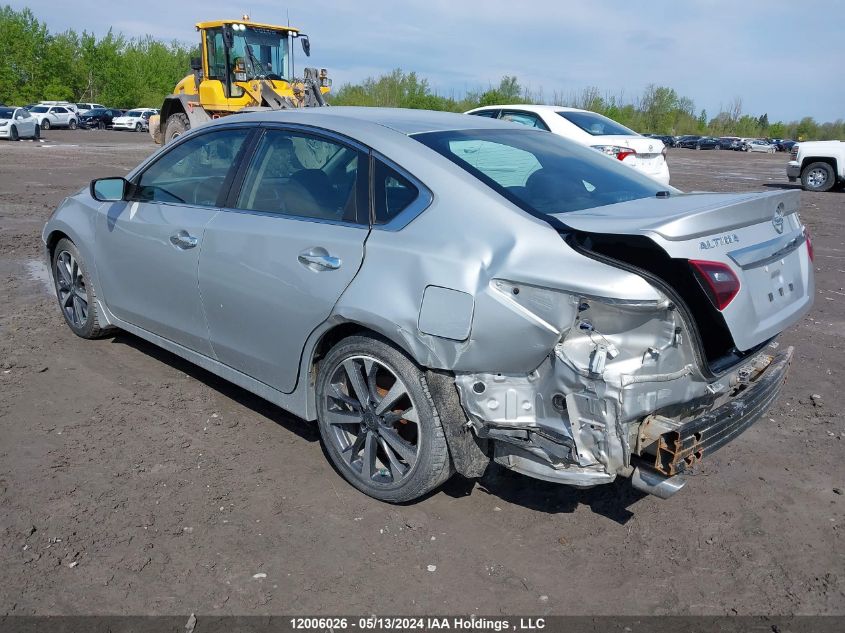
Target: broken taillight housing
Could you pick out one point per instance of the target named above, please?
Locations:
(809, 241)
(718, 280)
(621, 153)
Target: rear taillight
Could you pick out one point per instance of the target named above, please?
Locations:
(718, 280)
(621, 153)
(809, 241)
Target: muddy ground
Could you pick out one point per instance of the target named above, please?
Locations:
(133, 482)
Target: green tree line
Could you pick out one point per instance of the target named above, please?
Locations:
(114, 70)
(130, 72)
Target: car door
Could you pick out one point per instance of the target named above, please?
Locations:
(60, 116)
(275, 262)
(148, 246)
(25, 122)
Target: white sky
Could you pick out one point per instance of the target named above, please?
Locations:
(776, 55)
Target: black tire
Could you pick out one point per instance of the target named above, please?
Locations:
(101, 125)
(698, 147)
(45, 124)
(72, 124)
(37, 135)
(818, 177)
(138, 127)
(13, 134)
(89, 327)
(177, 124)
(422, 432)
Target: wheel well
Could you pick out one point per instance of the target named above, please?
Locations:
(170, 107)
(821, 159)
(54, 238)
(343, 330)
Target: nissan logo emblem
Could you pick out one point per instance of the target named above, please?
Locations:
(777, 220)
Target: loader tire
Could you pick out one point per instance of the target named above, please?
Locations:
(177, 124)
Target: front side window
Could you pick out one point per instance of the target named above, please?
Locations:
(596, 124)
(194, 171)
(541, 173)
(302, 175)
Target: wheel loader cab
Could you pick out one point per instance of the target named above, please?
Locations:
(236, 56)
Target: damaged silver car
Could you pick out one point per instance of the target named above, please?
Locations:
(441, 291)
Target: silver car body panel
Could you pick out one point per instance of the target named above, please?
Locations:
(558, 357)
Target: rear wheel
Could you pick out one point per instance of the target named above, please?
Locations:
(818, 177)
(72, 124)
(177, 124)
(101, 125)
(75, 292)
(379, 425)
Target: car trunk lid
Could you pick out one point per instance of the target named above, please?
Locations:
(649, 151)
(758, 236)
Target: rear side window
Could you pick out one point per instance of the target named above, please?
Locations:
(524, 118)
(302, 175)
(596, 124)
(194, 171)
(541, 173)
(490, 114)
(393, 193)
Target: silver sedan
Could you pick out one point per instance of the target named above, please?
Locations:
(441, 291)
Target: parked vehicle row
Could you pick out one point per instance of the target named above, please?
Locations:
(63, 114)
(736, 143)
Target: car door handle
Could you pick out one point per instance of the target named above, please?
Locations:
(183, 240)
(319, 261)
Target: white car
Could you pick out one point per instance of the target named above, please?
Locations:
(82, 108)
(647, 155)
(138, 120)
(16, 123)
(54, 116)
(819, 165)
(756, 145)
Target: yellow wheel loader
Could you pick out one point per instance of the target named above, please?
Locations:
(244, 66)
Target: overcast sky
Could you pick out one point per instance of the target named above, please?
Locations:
(775, 55)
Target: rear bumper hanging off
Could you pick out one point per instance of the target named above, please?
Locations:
(681, 448)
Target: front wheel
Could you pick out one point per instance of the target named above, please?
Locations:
(101, 125)
(13, 134)
(138, 127)
(379, 425)
(818, 177)
(37, 134)
(176, 125)
(45, 124)
(76, 295)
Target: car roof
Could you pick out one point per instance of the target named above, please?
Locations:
(530, 107)
(402, 120)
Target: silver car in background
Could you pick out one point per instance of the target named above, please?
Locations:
(440, 291)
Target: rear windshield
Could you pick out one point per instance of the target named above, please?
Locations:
(539, 172)
(596, 124)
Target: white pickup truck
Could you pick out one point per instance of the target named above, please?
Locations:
(818, 164)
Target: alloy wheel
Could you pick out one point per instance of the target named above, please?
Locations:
(373, 421)
(817, 178)
(73, 295)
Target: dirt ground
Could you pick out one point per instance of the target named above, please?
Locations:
(133, 482)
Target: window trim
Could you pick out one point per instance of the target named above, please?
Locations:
(362, 203)
(222, 195)
(419, 204)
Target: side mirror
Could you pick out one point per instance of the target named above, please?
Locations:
(306, 45)
(109, 189)
(196, 63)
